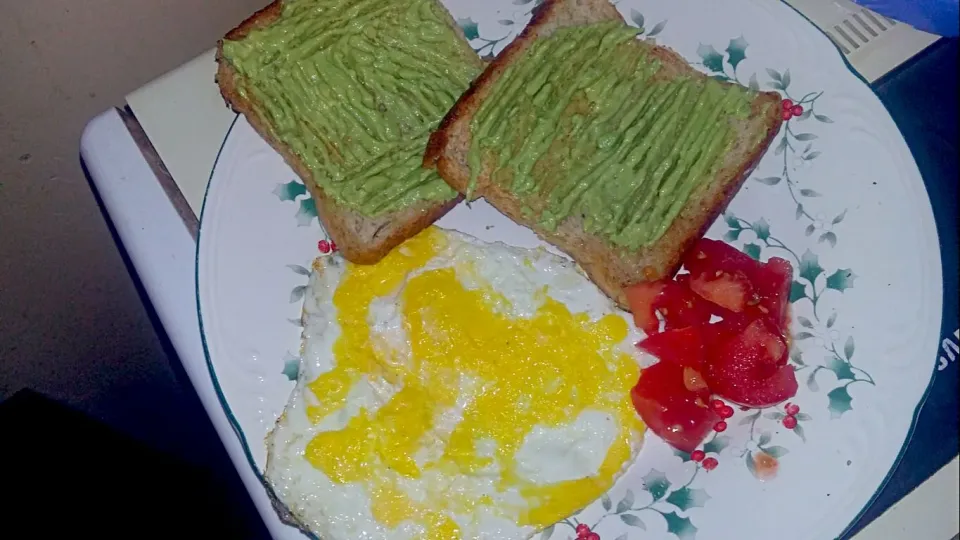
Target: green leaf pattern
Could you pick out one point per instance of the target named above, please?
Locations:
(712, 60)
(680, 526)
(736, 52)
(290, 190)
(656, 483)
(686, 498)
(841, 280)
(296, 191)
(840, 401)
(291, 367)
(717, 444)
(469, 27)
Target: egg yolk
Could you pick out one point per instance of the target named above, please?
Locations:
(543, 370)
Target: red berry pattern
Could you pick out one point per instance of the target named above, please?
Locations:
(710, 464)
(698, 455)
(790, 420)
(323, 246)
(584, 533)
(726, 412)
(790, 109)
(720, 426)
(717, 405)
(333, 246)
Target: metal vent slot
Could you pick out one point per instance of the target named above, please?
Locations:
(837, 42)
(865, 26)
(855, 31)
(843, 33)
(869, 14)
(858, 30)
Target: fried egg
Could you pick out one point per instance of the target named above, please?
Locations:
(456, 389)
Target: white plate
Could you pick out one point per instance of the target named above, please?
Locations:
(838, 194)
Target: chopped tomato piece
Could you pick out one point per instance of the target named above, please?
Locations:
(773, 288)
(717, 334)
(729, 290)
(641, 298)
(778, 388)
(743, 357)
(683, 347)
(694, 381)
(680, 307)
(674, 405)
(709, 256)
(767, 284)
(750, 368)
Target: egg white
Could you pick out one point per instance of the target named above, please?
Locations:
(336, 511)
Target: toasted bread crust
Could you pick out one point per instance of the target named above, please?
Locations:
(610, 267)
(361, 239)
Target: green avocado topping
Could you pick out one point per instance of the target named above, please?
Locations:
(354, 88)
(583, 126)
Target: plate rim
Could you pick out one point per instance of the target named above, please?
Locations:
(854, 522)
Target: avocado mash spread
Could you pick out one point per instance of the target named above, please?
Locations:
(583, 126)
(354, 88)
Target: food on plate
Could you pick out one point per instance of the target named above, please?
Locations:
(679, 306)
(613, 149)
(348, 92)
(750, 368)
(673, 401)
(713, 264)
(743, 357)
(454, 389)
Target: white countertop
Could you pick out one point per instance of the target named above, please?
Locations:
(162, 248)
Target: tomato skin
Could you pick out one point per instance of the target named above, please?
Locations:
(641, 298)
(709, 255)
(750, 368)
(680, 416)
(680, 307)
(717, 334)
(683, 347)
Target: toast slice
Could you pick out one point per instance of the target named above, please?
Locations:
(470, 160)
(257, 59)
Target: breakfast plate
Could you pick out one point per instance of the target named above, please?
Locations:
(838, 195)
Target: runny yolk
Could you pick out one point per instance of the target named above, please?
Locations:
(542, 370)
